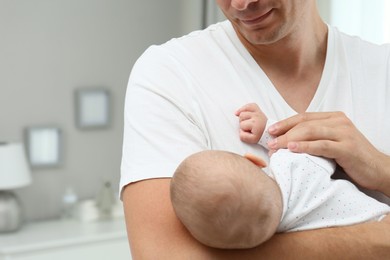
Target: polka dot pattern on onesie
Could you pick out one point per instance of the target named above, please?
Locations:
(313, 200)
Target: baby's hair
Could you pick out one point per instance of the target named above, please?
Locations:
(209, 190)
(205, 167)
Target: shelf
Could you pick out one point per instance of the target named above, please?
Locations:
(60, 234)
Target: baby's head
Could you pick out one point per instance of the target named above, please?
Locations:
(225, 200)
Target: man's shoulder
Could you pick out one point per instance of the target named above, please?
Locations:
(195, 51)
(212, 32)
(195, 42)
(356, 46)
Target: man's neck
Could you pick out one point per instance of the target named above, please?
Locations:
(294, 64)
(295, 54)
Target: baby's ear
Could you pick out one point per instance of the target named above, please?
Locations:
(256, 160)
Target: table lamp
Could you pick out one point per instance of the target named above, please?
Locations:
(14, 173)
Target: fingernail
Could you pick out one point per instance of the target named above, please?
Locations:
(272, 144)
(292, 146)
(272, 128)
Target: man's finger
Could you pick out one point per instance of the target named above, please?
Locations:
(308, 133)
(324, 148)
(285, 125)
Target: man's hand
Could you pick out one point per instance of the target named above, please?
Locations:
(333, 135)
(252, 123)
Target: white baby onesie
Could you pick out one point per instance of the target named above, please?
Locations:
(311, 199)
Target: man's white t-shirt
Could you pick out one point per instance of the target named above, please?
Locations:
(182, 96)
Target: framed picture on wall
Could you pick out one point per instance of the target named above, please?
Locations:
(92, 108)
(43, 146)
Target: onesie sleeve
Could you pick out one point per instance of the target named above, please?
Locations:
(266, 137)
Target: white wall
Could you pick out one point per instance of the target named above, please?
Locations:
(366, 19)
(192, 14)
(324, 9)
(48, 48)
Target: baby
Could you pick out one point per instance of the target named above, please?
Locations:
(228, 201)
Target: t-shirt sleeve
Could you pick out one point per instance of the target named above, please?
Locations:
(162, 125)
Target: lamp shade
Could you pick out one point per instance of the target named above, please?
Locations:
(14, 170)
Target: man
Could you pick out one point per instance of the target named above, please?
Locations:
(182, 97)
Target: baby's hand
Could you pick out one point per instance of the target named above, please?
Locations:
(252, 123)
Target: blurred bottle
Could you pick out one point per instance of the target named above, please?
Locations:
(105, 201)
(69, 201)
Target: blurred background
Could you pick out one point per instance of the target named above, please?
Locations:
(51, 49)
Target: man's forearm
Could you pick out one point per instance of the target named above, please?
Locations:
(363, 241)
(383, 167)
(156, 233)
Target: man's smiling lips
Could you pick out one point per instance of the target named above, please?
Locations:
(257, 20)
